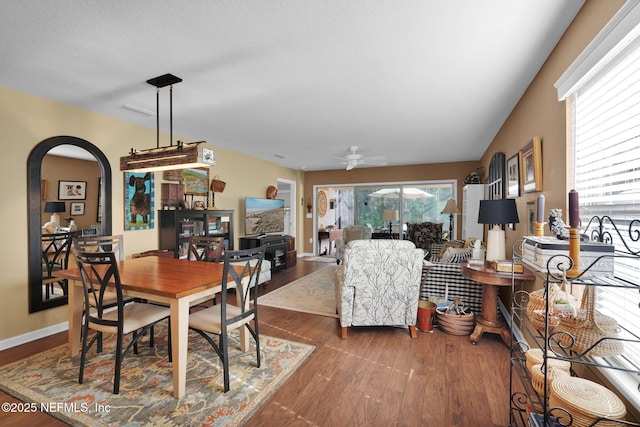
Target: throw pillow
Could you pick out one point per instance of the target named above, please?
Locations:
(456, 255)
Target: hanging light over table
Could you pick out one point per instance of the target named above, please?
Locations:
(179, 156)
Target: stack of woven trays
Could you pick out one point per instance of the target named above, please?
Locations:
(586, 401)
(534, 357)
(537, 377)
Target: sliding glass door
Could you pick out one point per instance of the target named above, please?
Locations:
(366, 204)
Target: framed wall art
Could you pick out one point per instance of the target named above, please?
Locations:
(77, 208)
(72, 190)
(513, 176)
(531, 166)
(196, 181)
(138, 201)
(531, 218)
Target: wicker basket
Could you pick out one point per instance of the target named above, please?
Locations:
(588, 327)
(534, 357)
(537, 377)
(456, 324)
(217, 186)
(537, 298)
(537, 319)
(586, 401)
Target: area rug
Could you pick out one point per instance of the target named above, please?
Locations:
(49, 380)
(314, 293)
(324, 258)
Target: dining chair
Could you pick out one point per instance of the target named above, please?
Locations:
(222, 318)
(55, 257)
(113, 243)
(102, 244)
(209, 249)
(99, 270)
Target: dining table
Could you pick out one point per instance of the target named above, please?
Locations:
(178, 283)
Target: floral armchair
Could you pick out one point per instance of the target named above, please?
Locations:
(349, 233)
(379, 284)
(424, 234)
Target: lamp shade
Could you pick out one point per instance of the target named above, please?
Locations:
(54, 207)
(498, 211)
(390, 215)
(450, 207)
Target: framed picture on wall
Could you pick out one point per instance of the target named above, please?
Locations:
(72, 190)
(77, 208)
(531, 218)
(531, 166)
(513, 176)
(196, 181)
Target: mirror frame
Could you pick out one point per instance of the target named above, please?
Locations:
(34, 176)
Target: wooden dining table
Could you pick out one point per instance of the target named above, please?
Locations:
(174, 282)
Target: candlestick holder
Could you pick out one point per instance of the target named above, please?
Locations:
(574, 251)
(539, 228)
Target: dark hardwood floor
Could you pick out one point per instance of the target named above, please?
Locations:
(377, 377)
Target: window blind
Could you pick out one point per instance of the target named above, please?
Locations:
(606, 129)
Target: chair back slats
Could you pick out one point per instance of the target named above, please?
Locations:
(98, 270)
(101, 244)
(251, 262)
(55, 252)
(208, 249)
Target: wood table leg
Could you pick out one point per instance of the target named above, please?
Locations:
(488, 321)
(179, 343)
(74, 308)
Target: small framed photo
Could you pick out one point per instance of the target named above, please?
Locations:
(77, 208)
(513, 177)
(72, 190)
(531, 218)
(531, 166)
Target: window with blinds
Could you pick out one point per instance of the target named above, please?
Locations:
(606, 173)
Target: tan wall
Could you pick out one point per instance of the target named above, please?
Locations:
(435, 171)
(25, 121)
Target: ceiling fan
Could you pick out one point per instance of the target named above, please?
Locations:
(356, 159)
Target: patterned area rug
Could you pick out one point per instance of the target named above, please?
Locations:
(50, 379)
(323, 258)
(314, 293)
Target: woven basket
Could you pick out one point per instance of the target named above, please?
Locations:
(456, 324)
(217, 186)
(537, 319)
(586, 401)
(537, 298)
(588, 327)
(537, 377)
(534, 357)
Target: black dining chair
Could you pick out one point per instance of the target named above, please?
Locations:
(55, 257)
(101, 244)
(99, 271)
(208, 249)
(220, 319)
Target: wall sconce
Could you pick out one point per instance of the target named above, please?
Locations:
(309, 206)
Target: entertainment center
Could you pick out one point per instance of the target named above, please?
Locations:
(280, 250)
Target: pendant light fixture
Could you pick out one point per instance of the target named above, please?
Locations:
(179, 156)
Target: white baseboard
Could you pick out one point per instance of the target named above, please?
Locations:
(34, 335)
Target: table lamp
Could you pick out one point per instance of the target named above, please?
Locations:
(390, 215)
(450, 208)
(53, 208)
(497, 212)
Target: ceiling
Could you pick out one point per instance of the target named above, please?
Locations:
(292, 82)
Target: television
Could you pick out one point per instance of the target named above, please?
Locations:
(263, 216)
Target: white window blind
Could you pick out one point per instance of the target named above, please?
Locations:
(606, 129)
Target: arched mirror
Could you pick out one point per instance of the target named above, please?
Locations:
(39, 299)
